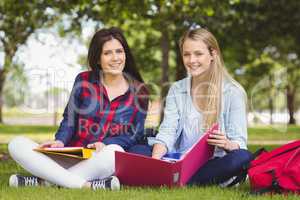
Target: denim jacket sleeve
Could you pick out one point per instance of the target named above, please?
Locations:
(236, 117)
(68, 124)
(168, 132)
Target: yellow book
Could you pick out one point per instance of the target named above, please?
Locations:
(74, 152)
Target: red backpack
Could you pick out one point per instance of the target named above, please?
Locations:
(277, 171)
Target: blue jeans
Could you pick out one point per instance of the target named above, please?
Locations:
(141, 149)
(218, 170)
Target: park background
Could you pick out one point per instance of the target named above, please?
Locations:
(43, 45)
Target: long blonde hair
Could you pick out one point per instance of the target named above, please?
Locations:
(218, 73)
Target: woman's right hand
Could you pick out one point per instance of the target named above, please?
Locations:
(53, 144)
(159, 150)
(97, 145)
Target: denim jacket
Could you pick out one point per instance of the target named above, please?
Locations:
(180, 129)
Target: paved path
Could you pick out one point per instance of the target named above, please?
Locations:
(269, 142)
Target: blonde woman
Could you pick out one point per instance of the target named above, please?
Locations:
(208, 95)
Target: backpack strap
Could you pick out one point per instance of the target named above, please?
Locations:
(258, 152)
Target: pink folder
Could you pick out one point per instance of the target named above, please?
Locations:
(138, 170)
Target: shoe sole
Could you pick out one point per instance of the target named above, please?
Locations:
(13, 181)
(115, 183)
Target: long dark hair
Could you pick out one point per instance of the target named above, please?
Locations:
(95, 50)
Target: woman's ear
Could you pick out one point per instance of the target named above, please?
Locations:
(213, 54)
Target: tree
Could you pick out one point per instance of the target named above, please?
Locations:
(18, 20)
(255, 25)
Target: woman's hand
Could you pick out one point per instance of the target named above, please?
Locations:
(159, 150)
(53, 144)
(219, 139)
(97, 145)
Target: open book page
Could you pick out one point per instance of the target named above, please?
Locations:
(75, 152)
(172, 157)
(62, 149)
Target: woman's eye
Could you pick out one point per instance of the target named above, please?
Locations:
(106, 53)
(120, 51)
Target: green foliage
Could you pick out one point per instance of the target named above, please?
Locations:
(18, 20)
(257, 38)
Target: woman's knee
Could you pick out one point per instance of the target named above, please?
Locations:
(15, 144)
(244, 155)
(239, 158)
(19, 144)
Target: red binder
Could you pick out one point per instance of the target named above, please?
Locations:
(138, 170)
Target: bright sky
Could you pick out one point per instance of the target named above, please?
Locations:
(52, 61)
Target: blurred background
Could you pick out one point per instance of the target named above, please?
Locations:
(43, 46)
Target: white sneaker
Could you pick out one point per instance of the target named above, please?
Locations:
(228, 182)
(17, 180)
(111, 183)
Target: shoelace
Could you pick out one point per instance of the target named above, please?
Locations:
(31, 181)
(97, 184)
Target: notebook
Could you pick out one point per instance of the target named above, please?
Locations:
(138, 170)
(74, 152)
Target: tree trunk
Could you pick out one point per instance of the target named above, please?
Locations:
(271, 96)
(271, 107)
(2, 80)
(290, 96)
(165, 61)
(165, 48)
(9, 52)
(8, 55)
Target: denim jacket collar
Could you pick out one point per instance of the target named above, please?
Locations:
(188, 81)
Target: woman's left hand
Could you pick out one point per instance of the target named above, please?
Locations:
(219, 139)
(97, 145)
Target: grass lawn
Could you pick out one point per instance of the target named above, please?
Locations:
(8, 167)
(274, 133)
(40, 133)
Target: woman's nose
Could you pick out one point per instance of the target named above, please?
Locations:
(192, 59)
(115, 56)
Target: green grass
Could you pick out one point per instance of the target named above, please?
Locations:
(9, 167)
(38, 133)
(274, 133)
